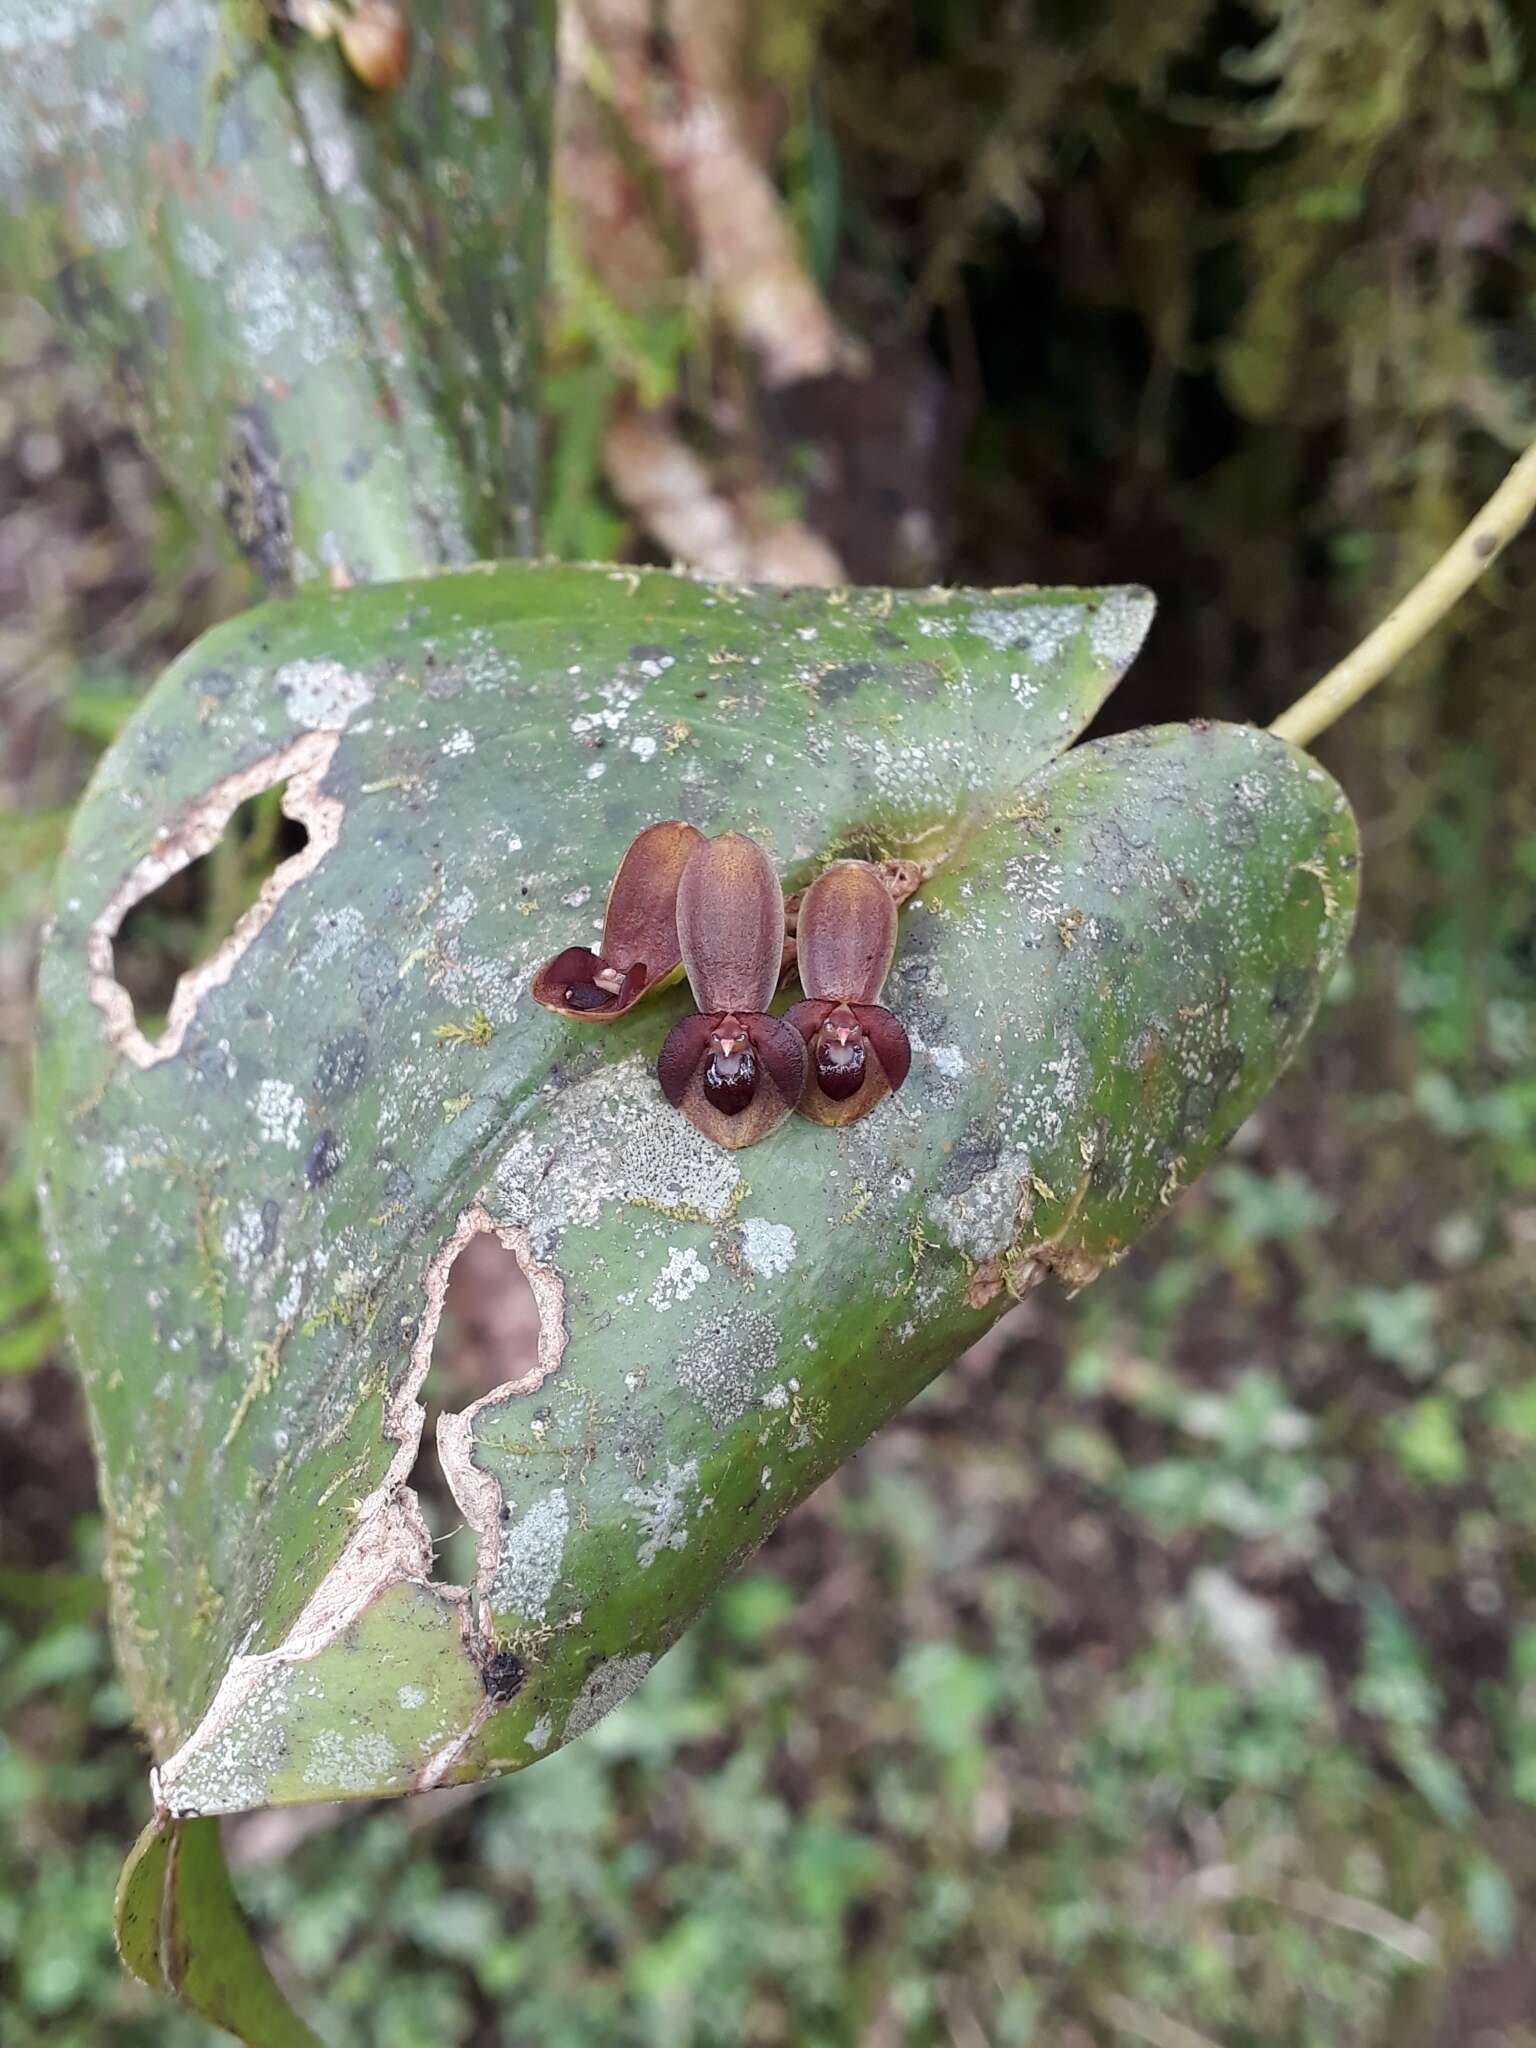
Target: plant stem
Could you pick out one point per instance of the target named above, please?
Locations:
(1425, 605)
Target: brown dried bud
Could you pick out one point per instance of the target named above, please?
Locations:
(375, 39)
(640, 943)
(733, 1071)
(846, 938)
(903, 878)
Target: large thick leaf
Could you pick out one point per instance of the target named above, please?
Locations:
(255, 1215)
(318, 304)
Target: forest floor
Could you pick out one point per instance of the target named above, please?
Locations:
(1166, 1674)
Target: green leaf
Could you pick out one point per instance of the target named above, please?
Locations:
(318, 304)
(254, 1216)
(180, 1930)
(1428, 1441)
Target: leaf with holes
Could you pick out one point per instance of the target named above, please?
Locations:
(257, 1206)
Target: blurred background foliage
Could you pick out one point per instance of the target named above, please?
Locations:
(1168, 1673)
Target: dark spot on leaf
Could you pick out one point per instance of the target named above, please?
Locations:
(833, 683)
(131, 380)
(341, 1066)
(443, 683)
(378, 974)
(210, 1062)
(921, 678)
(1227, 1066)
(253, 498)
(212, 1364)
(210, 682)
(236, 133)
(401, 1185)
(81, 289)
(1289, 993)
(1195, 1110)
(1104, 1174)
(919, 935)
(971, 1159)
(502, 1673)
(650, 654)
(324, 1158)
(269, 1215)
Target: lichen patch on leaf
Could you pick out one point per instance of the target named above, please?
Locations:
(217, 1769)
(607, 1687)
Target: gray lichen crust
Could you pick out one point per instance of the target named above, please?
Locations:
(1112, 954)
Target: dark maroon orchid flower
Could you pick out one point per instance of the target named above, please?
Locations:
(733, 1071)
(640, 948)
(845, 939)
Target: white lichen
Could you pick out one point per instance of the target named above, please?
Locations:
(607, 1687)
(663, 1511)
(768, 1248)
(724, 1362)
(279, 1112)
(322, 694)
(532, 1552)
(683, 1274)
(1119, 627)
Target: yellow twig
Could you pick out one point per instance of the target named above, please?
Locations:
(1425, 605)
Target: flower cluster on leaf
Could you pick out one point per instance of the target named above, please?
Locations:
(716, 908)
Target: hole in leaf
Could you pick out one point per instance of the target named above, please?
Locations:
(488, 1335)
(185, 921)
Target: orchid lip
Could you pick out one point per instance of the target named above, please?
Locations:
(859, 1054)
(734, 1076)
